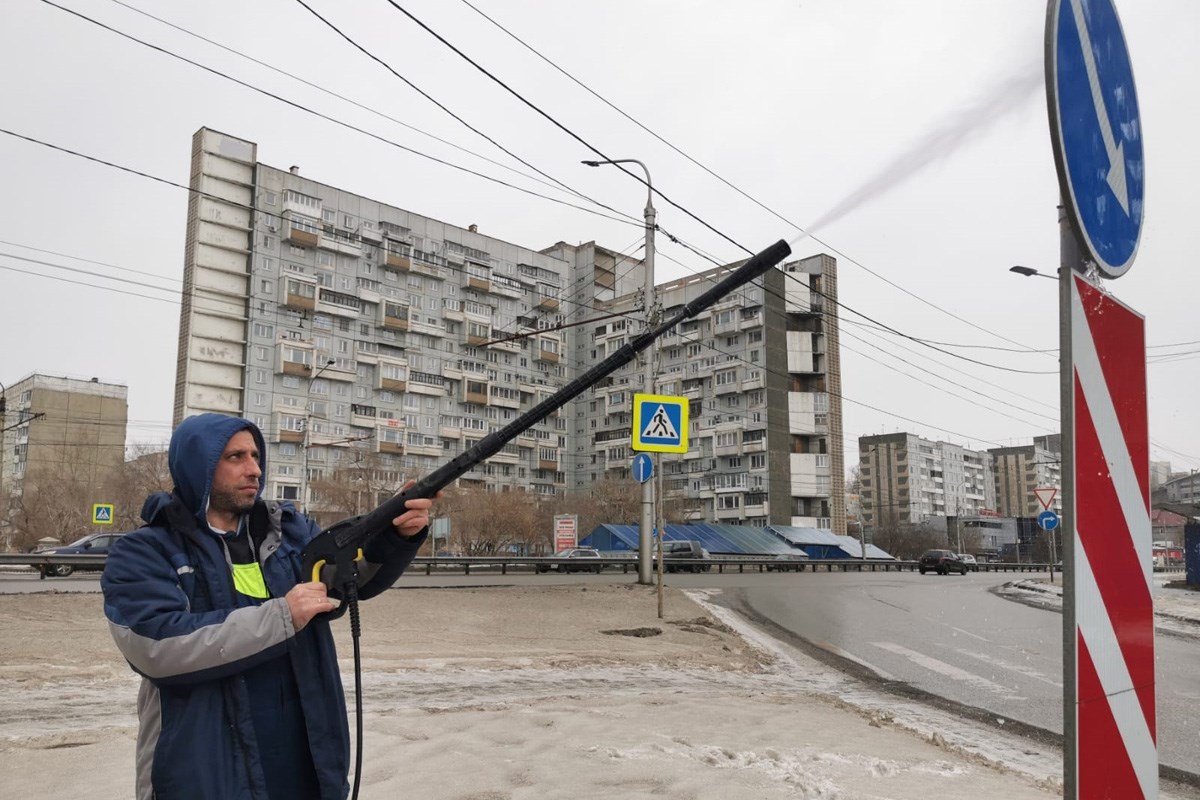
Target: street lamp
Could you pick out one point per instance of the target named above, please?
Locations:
(1030, 272)
(307, 425)
(648, 380)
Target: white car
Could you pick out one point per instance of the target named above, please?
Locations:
(969, 561)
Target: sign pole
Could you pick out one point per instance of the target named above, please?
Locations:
(1069, 259)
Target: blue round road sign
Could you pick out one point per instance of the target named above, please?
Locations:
(1095, 129)
(1047, 520)
(642, 467)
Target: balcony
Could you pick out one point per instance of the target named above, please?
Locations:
(391, 448)
(298, 235)
(549, 356)
(294, 368)
(393, 316)
(475, 392)
(298, 294)
(550, 466)
(546, 304)
(397, 262)
(481, 284)
(498, 399)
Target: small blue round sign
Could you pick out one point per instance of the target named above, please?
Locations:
(1096, 129)
(1047, 520)
(642, 467)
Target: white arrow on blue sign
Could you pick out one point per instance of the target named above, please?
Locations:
(1096, 129)
(642, 467)
(1047, 520)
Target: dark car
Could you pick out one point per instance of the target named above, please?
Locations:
(576, 559)
(684, 550)
(943, 562)
(92, 544)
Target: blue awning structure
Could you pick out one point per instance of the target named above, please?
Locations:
(854, 548)
(716, 539)
(817, 542)
(736, 540)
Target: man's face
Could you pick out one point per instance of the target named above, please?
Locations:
(235, 482)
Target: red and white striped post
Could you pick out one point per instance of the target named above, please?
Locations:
(1108, 613)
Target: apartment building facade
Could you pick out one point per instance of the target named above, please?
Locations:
(358, 333)
(761, 374)
(58, 430)
(906, 480)
(1020, 470)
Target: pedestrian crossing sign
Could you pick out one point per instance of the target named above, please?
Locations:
(102, 514)
(660, 423)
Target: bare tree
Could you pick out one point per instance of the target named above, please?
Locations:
(486, 523)
(127, 488)
(906, 542)
(608, 500)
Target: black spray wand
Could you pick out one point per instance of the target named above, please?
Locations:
(336, 548)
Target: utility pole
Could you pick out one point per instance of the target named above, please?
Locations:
(652, 314)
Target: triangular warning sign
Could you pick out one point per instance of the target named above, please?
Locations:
(103, 514)
(660, 425)
(1045, 496)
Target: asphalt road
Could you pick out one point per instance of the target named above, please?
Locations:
(952, 637)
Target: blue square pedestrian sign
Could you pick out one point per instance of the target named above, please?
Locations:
(660, 423)
(102, 514)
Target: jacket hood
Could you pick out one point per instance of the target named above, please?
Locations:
(196, 447)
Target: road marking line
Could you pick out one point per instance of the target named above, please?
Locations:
(948, 670)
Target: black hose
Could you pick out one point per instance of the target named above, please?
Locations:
(351, 598)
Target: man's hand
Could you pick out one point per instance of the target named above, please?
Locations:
(416, 518)
(306, 600)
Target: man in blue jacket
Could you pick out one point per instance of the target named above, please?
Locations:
(241, 696)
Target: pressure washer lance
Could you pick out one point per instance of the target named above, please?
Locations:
(331, 555)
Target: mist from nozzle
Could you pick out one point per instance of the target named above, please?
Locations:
(957, 129)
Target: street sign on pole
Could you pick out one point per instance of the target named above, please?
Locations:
(660, 423)
(1096, 130)
(1046, 496)
(102, 513)
(1108, 610)
(642, 467)
(1047, 520)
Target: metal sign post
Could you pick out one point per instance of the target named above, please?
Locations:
(1110, 747)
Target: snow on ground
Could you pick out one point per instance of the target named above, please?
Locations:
(523, 693)
(1176, 609)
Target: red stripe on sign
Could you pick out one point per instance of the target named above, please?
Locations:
(1109, 773)
(1120, 577)
(1119, 335)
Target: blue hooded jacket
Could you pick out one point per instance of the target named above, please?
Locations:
(174, 613)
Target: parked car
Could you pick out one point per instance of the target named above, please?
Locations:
(676, 550)
(788, 562)
(576, 559)
(92, 544)
(970, 562)
(943, 562)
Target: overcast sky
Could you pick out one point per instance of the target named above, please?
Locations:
(912, 135)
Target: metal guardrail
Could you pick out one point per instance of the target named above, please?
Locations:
(504, 564)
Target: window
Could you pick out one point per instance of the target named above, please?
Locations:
(263, 331)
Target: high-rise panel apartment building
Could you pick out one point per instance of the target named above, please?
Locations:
(1020, 470)
(761, 374)
(354, 332)
(907, 479)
